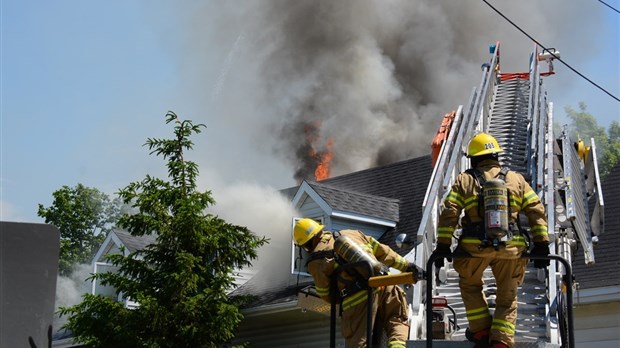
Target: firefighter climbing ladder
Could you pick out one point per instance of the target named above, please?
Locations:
(514, 108)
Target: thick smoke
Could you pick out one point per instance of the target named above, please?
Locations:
(376, 75)
(69, 291)
(267, 213)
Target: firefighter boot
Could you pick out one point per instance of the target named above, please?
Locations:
(480, 338)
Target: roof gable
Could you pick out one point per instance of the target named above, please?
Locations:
(122, 239)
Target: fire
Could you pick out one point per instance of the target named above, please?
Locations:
(324, 159)
(314, 159)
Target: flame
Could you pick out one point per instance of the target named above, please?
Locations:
(314, 159)
(324, 158)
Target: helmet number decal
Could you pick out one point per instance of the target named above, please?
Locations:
(489, 146)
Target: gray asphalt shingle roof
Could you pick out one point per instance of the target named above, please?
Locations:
(365, 204)
(133, 243)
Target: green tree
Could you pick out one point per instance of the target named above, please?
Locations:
(584, 126)
(84, 216)
(182, 281)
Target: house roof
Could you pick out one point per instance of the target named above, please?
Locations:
(365, 204)
(134, 243)
(604, 271)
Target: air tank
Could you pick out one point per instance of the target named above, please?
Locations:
(352, 252)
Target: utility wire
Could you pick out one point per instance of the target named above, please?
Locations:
(551, 52)
(608, 5)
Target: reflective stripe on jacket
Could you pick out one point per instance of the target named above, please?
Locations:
(464, 196)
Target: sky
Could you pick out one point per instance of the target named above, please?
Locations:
(84, 83)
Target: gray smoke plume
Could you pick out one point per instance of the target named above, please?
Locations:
(376, 77)
(267, 213)
(70, 290)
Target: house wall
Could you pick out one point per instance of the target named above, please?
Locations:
(290, 328)
(341, 224)
(310, 208)
(597, 325)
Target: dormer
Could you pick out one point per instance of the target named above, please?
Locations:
(340, 209)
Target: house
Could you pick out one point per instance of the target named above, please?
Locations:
(597, 296)
(384, 202)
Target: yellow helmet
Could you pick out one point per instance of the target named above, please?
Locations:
(483, 144)
(304, 230)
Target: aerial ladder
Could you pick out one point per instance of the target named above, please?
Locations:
(514, 108)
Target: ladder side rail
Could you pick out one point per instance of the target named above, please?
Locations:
(533, 117)
(545, 136)
(489, 75)
(431, 207)
(460, 138)
(487, 91)
(594, 191)
(548, 198)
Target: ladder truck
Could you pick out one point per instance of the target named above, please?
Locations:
(514, 108)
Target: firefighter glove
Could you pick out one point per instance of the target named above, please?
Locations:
(541, 249)
(418, 272)
(442, 249)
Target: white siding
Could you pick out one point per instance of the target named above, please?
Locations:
(309, 208)
(597, 325)
(292, 328)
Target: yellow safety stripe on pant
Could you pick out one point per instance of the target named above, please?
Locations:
(445, 232)
(478, 313)
(455, 198)
(322, 291)
(539, 230)
(529, 198)
(355, 299)
(503, 325)
(397, 344)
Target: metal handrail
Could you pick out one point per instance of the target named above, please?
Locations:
(429, 290)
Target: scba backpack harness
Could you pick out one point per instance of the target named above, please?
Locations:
(494, 208)
(347, 251)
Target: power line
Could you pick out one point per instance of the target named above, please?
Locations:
(608, 5)
(551, 52)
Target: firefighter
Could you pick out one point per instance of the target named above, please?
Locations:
(389, 302)
(501, 251)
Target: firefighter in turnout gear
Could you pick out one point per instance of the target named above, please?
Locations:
(389, 303)
(491, 233)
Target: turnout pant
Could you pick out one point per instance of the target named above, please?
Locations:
(509, 270)
(389, 309)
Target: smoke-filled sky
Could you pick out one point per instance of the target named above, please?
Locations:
(85, 83)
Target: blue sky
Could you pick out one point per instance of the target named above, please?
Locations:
(84, 83)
